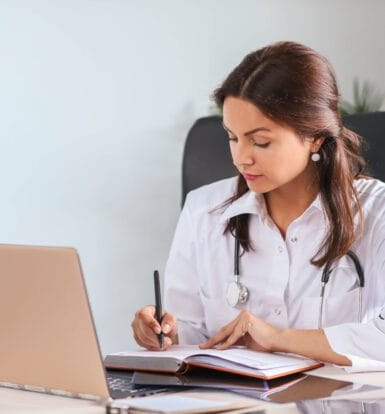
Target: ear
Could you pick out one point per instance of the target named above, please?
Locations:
(317, 142)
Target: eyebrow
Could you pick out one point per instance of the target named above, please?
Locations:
(253, 131)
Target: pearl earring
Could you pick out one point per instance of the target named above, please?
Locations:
(315, 157)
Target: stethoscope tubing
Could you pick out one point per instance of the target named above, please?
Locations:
(324, 279)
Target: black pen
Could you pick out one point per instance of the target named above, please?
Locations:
(158, 305)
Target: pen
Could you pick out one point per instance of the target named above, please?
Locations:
(158, 305)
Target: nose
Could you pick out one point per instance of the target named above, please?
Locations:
(242, 155)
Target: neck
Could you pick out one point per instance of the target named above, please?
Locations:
(288, 202)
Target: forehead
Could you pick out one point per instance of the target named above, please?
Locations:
(239, 115)
(238, 111)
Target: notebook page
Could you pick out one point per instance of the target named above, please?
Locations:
(234, 367)
(175, 351)
(253, 359)
(237, 355)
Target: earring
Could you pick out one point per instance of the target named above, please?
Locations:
(315, 157)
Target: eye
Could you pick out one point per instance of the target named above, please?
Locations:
(261, 145)
(255, 144)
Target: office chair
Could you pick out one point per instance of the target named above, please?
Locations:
(207, 156)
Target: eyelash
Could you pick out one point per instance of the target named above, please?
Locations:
(257, 145)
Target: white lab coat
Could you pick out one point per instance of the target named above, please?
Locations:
(284, 288)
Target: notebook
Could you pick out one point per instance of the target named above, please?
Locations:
(282, 390)
(209, 379)
(48, 342)
(237, 360)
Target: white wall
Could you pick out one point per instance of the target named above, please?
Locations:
(96, 98)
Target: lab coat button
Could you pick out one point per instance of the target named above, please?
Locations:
(280, 249)
(294, 239)
(277, 311)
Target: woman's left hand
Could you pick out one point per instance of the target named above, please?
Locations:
(248, 330)
(254, 333)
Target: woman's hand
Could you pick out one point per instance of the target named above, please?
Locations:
(146, 328)
(251, 331)
(247, 329)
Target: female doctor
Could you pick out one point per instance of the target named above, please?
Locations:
(264, 259)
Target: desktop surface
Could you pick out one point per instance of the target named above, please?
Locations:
(23, 402)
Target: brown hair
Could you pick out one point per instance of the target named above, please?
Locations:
(295, 86)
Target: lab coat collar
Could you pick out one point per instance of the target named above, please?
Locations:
(254, 203)
(249, 203)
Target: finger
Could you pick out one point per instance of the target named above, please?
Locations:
(146, 316)
(144, 331)
(169, 324)
(148, 335)
(242, 341)
(167, 342)
(166, 345)
(146, 342)
(147, 310)
(142, 343)
(235, 335)
(220, 336)
(223, 333)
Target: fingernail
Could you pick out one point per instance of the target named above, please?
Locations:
(166, 328)
(157, 330)
(167, 341)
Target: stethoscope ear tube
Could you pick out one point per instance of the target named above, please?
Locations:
(325, 279)
(236, 250)
(321, 305)
(359, 269)
(326, 274)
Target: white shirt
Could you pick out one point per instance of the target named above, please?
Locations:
(284, 287)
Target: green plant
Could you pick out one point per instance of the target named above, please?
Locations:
(365, 99)
(214, 110)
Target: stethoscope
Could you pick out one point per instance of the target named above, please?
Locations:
(360, 281)
(237, 293)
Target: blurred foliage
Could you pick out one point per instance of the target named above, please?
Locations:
(366, 98)
(213, 109)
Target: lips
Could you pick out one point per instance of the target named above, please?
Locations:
(250, 177)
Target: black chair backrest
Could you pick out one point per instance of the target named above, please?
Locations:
(207, 156)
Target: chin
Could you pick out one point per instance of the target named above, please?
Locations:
(260, 187)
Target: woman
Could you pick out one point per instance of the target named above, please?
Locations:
(299, 203)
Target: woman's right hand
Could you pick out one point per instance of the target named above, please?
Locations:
(146, 329)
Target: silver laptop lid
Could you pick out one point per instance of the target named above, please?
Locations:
(48, 338)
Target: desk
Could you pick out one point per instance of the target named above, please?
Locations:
(24, 402)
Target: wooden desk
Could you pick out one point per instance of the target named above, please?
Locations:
(24, 402)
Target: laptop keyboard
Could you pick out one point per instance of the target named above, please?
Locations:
(121, 386)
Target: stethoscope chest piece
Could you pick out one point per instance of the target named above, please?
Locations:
(236, 293)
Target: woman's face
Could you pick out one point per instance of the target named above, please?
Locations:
(267, 154)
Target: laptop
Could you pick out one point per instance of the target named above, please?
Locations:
(48, 340)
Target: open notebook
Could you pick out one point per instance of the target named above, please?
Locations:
(242, 361)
